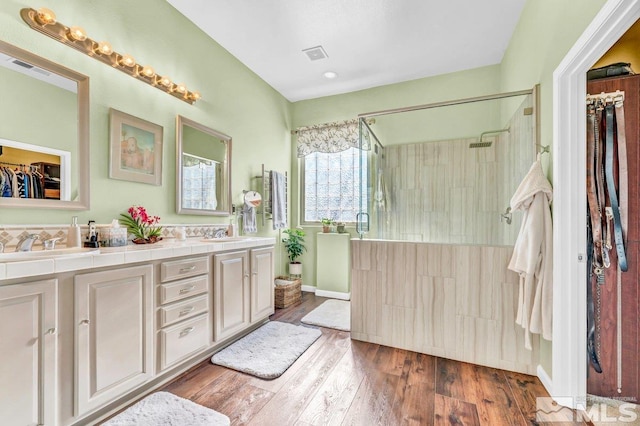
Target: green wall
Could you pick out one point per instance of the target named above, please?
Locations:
(235, 101)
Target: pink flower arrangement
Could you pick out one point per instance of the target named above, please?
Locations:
(141, 225)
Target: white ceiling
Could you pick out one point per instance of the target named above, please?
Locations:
(369, 43)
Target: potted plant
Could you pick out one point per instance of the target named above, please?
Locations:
(294, 244)
(326, 223)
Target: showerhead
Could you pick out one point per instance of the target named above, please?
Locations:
(480, 144)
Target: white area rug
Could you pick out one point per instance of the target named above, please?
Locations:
(331, 314)
(268, 351)
(166, 409)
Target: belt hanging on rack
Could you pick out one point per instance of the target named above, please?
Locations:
(611, 186)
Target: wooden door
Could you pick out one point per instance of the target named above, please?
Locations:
(114, 334)
(28, 323)
(262, 303)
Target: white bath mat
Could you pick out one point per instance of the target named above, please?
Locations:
(331, 314)
(268, 351)
(166, 409)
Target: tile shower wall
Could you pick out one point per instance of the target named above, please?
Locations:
(446, 192)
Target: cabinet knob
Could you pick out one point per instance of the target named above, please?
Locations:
(84, 322)
(51, 331)
(246, 275)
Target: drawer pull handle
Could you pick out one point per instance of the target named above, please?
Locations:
(51, 331)
(187, 289)
(187, 331)
(187, 310)
(187, 269)
(85, 322)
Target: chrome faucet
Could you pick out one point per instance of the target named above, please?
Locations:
(220, 233)
(50, 244)
(26, 243)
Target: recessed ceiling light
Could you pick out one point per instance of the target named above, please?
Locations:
(330, 75)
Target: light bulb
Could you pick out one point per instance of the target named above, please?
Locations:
(181, 88)
(45, 16)
(148, 71)
(165, 81)
(196, 95)
(105, 48)
(77, 33)
(127, 61)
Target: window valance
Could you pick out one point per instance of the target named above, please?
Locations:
(329, 137)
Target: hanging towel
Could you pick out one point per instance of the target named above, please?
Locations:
(278, 200)
(532, 254)
(249, 220)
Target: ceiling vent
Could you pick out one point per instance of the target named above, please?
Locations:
(315, 53)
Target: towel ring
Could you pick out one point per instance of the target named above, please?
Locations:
(252, 198)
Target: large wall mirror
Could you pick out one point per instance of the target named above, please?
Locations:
(44, 133)
(203, 169)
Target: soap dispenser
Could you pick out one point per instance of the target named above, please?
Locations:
(73, 233)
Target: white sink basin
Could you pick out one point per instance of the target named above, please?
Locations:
(47, 254)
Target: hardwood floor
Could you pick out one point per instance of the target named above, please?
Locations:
(339, 381)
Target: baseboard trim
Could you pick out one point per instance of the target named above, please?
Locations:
(333, 294)
(545, 379)
(308, 288)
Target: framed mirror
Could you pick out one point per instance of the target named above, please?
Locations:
(203, 169)
(44, 132)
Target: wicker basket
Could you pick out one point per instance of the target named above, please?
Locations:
(287, 295)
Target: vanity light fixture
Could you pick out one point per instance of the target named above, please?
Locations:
(44, 21)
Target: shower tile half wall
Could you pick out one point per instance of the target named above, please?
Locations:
(453, 301)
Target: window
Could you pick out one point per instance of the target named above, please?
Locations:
(199, 182)
(332, 185)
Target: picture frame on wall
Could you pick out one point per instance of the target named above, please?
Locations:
(135, 149)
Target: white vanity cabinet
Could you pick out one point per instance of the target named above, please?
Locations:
(230, 293)
(262, 275)
(28, 336)
(242, 290)
(183, 310)
(113, 322)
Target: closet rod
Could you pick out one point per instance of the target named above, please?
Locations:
(18, 165)
(447, 103)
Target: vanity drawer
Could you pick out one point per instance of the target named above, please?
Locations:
(181, 340)
(182, 289)
(182, 310)
(177, 269)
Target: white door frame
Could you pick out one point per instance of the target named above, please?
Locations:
(569, 358)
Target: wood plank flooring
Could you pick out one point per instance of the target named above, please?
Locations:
(339, 381)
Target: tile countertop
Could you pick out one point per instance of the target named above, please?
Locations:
(112, 256)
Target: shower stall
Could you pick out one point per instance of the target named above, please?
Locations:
(429, 271)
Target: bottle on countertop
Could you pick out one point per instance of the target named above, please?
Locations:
(73, 233)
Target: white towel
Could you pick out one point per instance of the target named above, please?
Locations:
(278, 200)
(532, 254)
(249, 220)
